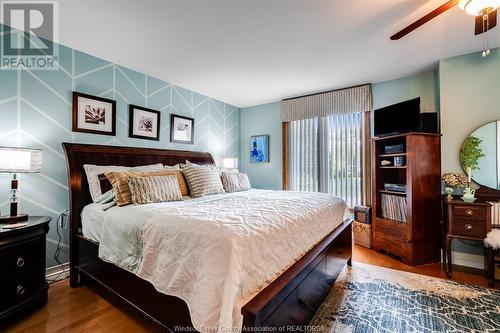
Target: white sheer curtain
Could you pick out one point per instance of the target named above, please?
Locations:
(325, 154)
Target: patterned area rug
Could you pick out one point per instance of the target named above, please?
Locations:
(368, 299)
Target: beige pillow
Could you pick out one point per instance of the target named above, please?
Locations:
(121, 189)
(202, 180)
(153, 189)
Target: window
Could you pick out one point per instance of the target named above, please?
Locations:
(325, 155)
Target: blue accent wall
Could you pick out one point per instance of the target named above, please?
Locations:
(35, 111)
(256, 120)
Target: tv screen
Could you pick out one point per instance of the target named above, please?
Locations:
(399, 118)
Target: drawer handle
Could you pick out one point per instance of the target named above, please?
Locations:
(20, 290)
(468, 227)
(469, 212)
(20, 262)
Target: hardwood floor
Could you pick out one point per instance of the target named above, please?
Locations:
(81, 310)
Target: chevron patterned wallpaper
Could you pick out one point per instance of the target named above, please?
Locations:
(35, 111)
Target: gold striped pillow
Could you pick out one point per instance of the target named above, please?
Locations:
(202, 180)
(119, 181)
(154, 189)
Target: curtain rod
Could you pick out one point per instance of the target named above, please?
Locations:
(325, 92)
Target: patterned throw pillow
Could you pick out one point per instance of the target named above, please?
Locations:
(93, 172)
(119, 181)
(202, 180)
(235, 182)
(153, 189)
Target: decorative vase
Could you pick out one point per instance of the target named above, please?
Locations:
(449, 192)
(469, 195)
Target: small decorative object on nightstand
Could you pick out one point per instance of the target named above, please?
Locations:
(22, 266)
(451, 182)
(18, 160)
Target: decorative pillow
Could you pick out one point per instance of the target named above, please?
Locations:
(119, 182)
(235, 182)
(202, 180)
(154, 189)
(93, 171)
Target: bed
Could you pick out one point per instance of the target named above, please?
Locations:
(288, 299)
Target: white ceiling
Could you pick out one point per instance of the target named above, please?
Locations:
(248, 52)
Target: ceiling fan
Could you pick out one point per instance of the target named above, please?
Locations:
(485, 12)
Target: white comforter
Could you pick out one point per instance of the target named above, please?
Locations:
(217, 252)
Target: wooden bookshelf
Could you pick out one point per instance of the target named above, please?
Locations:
(416, 241)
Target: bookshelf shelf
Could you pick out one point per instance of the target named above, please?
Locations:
(392, 167)
(392, 192)
(392, 155)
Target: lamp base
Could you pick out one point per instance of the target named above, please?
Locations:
(13, 219)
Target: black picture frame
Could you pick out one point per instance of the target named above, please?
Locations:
(131, 128)
(76, 126)
(172, 129)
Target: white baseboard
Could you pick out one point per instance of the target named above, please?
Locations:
(467, 259)
(57, 273)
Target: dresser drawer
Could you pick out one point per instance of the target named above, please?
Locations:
(469, 212)
(20, 257)
(21, 287)
(468, 227)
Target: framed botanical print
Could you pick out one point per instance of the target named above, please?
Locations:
(181, 129)
(259, 149)
(92, 114)
(144, 123)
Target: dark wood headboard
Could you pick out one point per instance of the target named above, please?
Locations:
(79, 154)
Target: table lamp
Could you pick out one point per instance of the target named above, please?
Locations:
(18, 160)
(228, 163)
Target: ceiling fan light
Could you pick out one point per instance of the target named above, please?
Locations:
(478, 7)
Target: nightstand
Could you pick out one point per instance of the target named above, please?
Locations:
(22, 267)
(465, 220)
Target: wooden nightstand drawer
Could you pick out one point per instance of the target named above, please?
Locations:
(468, 227)
(469, 211)
(21, 256)
(21, 287)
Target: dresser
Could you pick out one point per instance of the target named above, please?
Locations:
(22, 267)
(467, 221)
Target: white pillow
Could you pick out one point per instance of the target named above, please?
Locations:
(235, 182)
(93, 172)
(173, 167)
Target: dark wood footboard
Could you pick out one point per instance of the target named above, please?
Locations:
(291, 300)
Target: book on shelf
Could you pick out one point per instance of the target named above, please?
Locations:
(394, 207)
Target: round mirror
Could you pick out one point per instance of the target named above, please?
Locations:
(487, 172)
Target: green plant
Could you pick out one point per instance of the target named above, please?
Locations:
(471, 153)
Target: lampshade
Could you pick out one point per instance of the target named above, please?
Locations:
(20, 160)
(228, 163)
(478, 7)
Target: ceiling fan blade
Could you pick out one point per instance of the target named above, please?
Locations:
(438, 11)
(481, 26)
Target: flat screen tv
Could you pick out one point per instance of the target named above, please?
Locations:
(399, 118)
